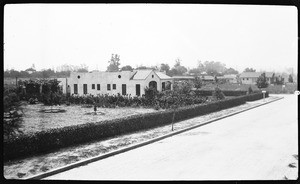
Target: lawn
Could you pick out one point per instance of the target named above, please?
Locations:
(35, 121)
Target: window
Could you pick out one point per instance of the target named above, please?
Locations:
(98, 86)
(119, 76)
(247, 78)
(84, 88)
(93, 86)
(75, 89)
(114, 86)
(108, 87)
(152, 76)
(163, 86)
(78, 77)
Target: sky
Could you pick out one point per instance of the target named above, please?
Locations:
(49, 35)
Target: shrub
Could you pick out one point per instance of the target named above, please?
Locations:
(218, 94)
(12, 113)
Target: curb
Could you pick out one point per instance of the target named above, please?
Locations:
(96, 158)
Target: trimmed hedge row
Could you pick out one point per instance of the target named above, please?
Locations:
(52, 139)
(226, 93)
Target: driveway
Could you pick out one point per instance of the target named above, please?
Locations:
(258, 144)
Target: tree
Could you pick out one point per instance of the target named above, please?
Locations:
(249, 70)
(197, 82)
(214, 68)
(164, 68)
(272, 80)
(290, 78)
(231, 71)
(83, 68)
(262, 81)
(126, 68)
(177, 69)
(114, 63)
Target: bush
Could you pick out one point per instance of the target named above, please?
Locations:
(12, 113)
(217, 94)
(44, 141)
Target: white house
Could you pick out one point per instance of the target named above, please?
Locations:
(125, 82)
(251, 77)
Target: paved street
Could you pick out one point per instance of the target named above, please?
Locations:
(257, 144)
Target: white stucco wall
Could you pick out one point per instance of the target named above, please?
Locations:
(104, 78)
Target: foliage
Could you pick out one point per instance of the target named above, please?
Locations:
(249, 70)
(164, 68)
(214, 68)
(126, 68)
(230, 71)
(198, 82)
(12, 113)
(217, 94)
(290, 78)
(262, 81)
(177, 69)
(250, 90)
(113, 63)
(49, 95)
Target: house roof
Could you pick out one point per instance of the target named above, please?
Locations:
(250, 74)
(183, 77)
(162, 75)
(143, 74)
(230, 76)
(208, 77)
(256, 74)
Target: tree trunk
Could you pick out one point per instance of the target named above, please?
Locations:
(173, 120)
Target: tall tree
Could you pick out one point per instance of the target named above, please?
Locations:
(177, 69)
(114, 63)
(164, 68)
(262, 81)
(214, 68)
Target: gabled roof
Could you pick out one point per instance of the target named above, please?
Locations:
(162, 75)
(143, 74)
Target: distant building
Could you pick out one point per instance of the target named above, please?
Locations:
(125, 82)
(230, 78)
(251, 77)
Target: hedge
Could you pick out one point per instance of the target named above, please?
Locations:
(45, 141)
(226, 93)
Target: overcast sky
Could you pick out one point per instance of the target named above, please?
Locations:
(49, 35)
